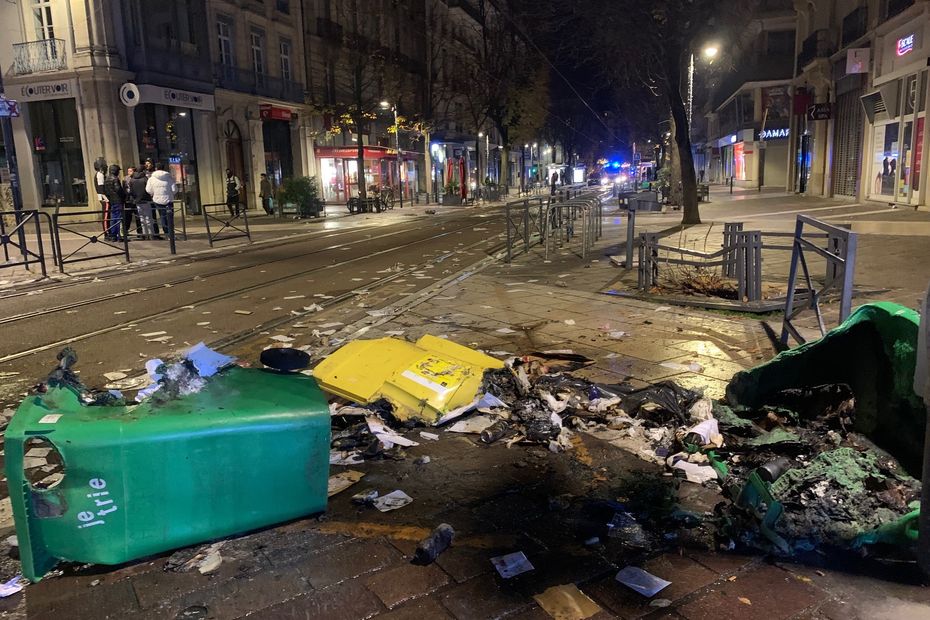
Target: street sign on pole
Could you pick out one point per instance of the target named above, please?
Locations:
(820, 112)
(8, 107)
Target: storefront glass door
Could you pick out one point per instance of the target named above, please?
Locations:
(885, 159)
(56, 148)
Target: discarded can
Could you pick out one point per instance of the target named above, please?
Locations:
(772, 471)
(430, 547)
(494, 432)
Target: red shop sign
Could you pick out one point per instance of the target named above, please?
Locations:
(269, 112)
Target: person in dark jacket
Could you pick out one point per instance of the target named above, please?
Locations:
(143, 202)
(116, 195)
(130, 209)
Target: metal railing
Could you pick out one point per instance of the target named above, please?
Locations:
(263, 85)
(75, 222)
(237, 224)
(15, 237)
(840, 255)
(740, 257)
(525, 221)
(561, 217)
(38, 56)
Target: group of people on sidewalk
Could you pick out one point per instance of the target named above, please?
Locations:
(234, 198)
(145, 194)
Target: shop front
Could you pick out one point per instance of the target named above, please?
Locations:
(167, 122)
(53, 130)
(276, 136)
(896, 110)
(339, 175)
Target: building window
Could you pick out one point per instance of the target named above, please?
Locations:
(284, 6)
(224, 33)
(257, 38)
(285, 50)
(42, 14)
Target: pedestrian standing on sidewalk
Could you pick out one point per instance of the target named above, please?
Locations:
(161, 188)
(100, 177)
(116, 197)
(233, 186)
(130, 209)
(143, 202)
(149, 169)
(266, 193)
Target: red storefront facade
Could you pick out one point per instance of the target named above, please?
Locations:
(339, 171)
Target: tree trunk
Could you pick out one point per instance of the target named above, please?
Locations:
(428, 159)
(674, 163)
(504, 181)
(360, 161)
(680, 132)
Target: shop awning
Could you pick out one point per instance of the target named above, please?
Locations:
(370, 152)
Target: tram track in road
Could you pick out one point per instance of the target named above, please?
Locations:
(236, 292)
(50, 286)
(203, 276)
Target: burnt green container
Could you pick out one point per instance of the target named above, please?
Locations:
(249, 450)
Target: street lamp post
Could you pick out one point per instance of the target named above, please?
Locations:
(400, 175)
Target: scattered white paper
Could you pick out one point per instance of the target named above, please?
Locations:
(698, 474)
(246, 312)
(153, 334)
(569, 321)
(618, 335)
(663, 308)
(505, 330)
(160, 339)
(395, 333)
(689, 367)
(473, 425)
(290, 297)
(330, 325)
(11, 587)
(490, 401)
(708, 430)
(639, 580)
(386, 435)
(207, 361)
(284, 339)
(114, 376)
(313, 308)
(392, 501)
(50, 418)
(512, 564)
(345, 457)
(430, 436)
(203, 323)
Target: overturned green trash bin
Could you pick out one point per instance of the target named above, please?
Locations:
(249, 450)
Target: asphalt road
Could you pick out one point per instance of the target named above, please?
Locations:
(235, 300)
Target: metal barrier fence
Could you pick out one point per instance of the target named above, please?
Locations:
(523, 217)
(228, 222)
(72, 222)
(21, 243)
(840, 255)
(742, 254)
(561, 216)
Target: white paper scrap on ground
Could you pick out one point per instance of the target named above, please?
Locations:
(153, 334)
(430, 436)
(506, 330)
(11, 587)
(512, 564)
(284, 339)
(207, 361)
(114, 376)
(345, 457)
(246, 312)
(473, 425)
(490, 401)
(569, 321)
(386, 435)
(645, 583)
(708, 430)
(698, 474)
(392, 501)
(689, 367)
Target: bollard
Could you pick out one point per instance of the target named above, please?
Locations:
(630, 232)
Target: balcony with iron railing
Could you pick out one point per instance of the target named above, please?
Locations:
(817, 45)
(245, 81)
(39, 56)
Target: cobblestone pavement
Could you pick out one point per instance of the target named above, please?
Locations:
(354, 562)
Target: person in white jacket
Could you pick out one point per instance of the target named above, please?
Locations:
(161, 188)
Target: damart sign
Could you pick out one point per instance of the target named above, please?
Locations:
(773, 134)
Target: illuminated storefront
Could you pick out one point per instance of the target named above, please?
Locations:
(339, 175)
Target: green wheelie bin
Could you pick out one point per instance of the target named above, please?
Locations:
(249, 450)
